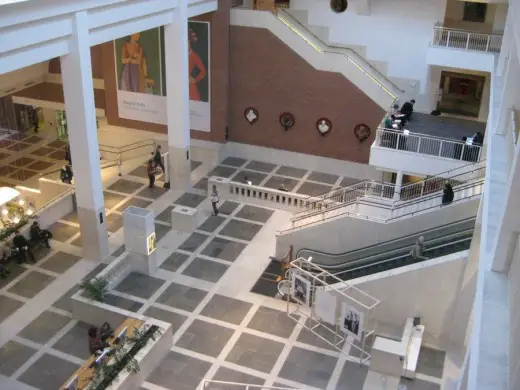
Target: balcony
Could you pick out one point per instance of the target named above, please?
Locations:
(475, 51)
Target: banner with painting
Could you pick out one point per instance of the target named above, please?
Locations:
(141, 75)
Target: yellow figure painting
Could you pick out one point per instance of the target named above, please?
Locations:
(134, 75)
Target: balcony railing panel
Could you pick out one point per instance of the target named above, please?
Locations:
(466, 40)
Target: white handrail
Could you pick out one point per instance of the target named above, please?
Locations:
(466, 40)
(427, 144)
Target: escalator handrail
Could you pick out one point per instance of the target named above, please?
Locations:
(422, 233)
(402, 256)
(403, 248)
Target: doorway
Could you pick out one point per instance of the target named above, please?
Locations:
(461, 94)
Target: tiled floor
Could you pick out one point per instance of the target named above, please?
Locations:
(219, 335)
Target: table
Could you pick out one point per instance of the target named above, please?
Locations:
(85, 373)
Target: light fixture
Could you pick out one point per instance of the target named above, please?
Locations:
(16, 219)
(21, 202)
(5, 211)
(30, 212)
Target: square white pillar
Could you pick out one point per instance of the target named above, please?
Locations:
(140, 238)
(78, 89)
(178, 97)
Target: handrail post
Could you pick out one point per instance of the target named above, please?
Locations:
(448, 39)
(467, 41)
(398, 140)
(440, 148)
(119, 163)
(419, 145)
(487, 43)
(462, 152)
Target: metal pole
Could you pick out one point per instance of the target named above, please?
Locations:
(448, 39)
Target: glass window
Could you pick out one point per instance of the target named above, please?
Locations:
(474, 12)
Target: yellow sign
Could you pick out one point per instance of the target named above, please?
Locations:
(151, 243)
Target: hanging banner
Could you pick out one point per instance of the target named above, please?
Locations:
(141, 75)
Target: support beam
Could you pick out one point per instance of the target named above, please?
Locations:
(178, 98)
(78, 90)
(398, 185)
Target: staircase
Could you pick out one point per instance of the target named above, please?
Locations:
(379, 202)
(322, 57)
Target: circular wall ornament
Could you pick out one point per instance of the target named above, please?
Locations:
(324, 126)
(286, 120)
(362, 132)
(251, 115)
(339, 6)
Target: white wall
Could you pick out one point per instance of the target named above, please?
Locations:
(429, 290)
(514, 320)
(347, 233)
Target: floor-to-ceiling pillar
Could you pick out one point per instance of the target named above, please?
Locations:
(178, 98)
(398, 185)
(78, 89)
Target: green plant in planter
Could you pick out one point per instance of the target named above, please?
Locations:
(95, 288)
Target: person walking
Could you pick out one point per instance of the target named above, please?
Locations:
(447, 194)
(214, 199)
(417, 251)
(150, 168)
(157, 159)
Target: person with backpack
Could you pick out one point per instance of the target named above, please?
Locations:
(214, 200)
(150, 169)
(157, 159)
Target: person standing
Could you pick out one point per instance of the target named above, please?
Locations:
(150, 168)
(157, 158)
(214, 199)
(417, 251)
(447, 194)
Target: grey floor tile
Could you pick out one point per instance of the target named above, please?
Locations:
(139, 285)
(152, 193)
(48, 372)
(223, 249)
(418, 384)
(43, 327)
(165, 215)
(60, 262)
(255, 213)
(228, 375)
(205, 338)
(143, 172)
(279, 384)
(352, 376)
(114, 222)
(40, 252)
(207, 270)
(261, 166)
(240, 230)
(431, 362)
(308, 367)
(272, 321)
(193, 242)
(365, 345)
(177, 371)
(291, 172)
(97, 269)
(234, 161)
(123, 303)
(254, 177)
(313, 189)
(195, 165)
(161, 231)
(211, 223)
(65, 302)
(31, 284)
(221, 171)
(276, 182)
(71, 217)
(125, 186)
(136, 202)
(112, 199)
(119, 251)
(62, 232)
(16, 270)
(174, 261)
(227, 207)
(190, 200)
(321, 177)
(75, 341)
(202, 184)
(175, 319)
(226, 309)
(255, 352)
(77, 242)
(348, 181)
(12, 356)
(182, 297)
(310, 337)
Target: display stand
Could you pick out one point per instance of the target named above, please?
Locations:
(140, 239)
(184, 219)
(336, 312)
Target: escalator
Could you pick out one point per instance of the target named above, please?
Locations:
(336, 262)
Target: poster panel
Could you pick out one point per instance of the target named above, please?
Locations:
(300, 289)
(351, 321)
(325, 306)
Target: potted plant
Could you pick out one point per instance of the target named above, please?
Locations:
(95, 288)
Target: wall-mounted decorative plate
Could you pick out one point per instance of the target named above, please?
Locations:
(251, 115)
(324, 126)
(286, 120)
(362, 132)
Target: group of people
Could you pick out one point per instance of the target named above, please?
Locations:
(97, 340)
(21, 247)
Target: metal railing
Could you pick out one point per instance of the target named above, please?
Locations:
(427, 144)
(211, 384)
(119, 153)
(466, 40)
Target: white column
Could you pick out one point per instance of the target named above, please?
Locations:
(178, 100)
(508, 96)
(78, 89)
(398, 185)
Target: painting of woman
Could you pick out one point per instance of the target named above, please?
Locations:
(197, 68)
(134, 75)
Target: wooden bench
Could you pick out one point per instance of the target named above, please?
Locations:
(86, 372)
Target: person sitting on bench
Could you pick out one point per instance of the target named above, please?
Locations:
(407, 109)
(38, 235)
(94, 342)
(22, 245)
